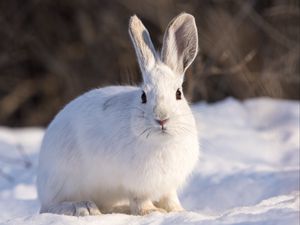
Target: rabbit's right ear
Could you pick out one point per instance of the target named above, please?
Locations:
(142, 43)
(180, 45)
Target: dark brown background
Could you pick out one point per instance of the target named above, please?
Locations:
(53, 50)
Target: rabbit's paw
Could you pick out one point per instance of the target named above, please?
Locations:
(86, 208)
(83, 208)
(169, 206)
(146, 211)
(170, 202)
(142, 207)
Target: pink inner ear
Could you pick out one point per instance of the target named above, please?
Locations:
(180, 43)
(185, 42)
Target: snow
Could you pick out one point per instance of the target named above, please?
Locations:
(248, 173)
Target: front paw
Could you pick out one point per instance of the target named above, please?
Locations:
(169, 206)
(175, 209)
(143, 206)
(170, 202)
(146, 211)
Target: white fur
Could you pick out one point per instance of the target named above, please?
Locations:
(106, 147)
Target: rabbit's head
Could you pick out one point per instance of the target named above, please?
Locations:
(161, 99)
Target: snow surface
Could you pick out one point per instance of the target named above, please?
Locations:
(248, 173)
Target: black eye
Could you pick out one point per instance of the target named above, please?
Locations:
(178, 94)
(144, 97)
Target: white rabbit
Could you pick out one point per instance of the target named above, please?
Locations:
(122, 143)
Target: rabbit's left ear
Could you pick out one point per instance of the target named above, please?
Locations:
(142, 43)
(180, 45)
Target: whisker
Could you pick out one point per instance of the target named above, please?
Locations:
(144, 131)
(148, 133)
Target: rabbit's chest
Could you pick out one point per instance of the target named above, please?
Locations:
(161, 167)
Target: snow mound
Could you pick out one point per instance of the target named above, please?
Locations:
(248, 173)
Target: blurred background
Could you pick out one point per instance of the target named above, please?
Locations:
(54, 50)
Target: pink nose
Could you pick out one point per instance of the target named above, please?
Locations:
(162, 122)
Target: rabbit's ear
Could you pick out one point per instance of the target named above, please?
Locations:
(180, 45)
(142, 43)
